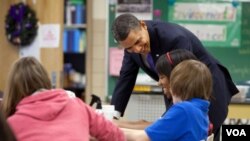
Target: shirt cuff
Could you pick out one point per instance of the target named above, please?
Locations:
(117, 114)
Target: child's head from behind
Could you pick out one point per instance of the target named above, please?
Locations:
(27, 75)
(190, 79)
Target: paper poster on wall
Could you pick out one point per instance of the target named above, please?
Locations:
(215, 24)
(142, 9)
(49, 35)
(32, 50)
(115, 60)
(210, 33)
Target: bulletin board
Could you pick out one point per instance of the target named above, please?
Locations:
(232, 50)
(216, 24)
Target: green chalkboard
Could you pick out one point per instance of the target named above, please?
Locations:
(236, 59)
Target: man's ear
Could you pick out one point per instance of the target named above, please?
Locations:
(143, 24)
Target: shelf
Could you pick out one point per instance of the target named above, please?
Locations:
(75, 26)
(74, 45)
(74, 53)
(77, 60)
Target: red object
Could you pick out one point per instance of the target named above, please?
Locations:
(210, 128)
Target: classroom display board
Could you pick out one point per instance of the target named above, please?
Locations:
(216, 24)
(223, 27)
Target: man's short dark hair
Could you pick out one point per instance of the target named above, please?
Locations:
(122, 26)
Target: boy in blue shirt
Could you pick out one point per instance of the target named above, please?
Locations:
(190, 86)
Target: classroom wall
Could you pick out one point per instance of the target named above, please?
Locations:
(96, 43)
(8, 52)
(51, 58)
(96, 49)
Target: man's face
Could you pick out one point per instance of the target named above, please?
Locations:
(137, 41)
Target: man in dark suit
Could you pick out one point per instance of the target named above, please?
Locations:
(148, 40)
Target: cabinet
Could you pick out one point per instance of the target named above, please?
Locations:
(74, 46)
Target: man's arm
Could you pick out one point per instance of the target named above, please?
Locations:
(125, 84)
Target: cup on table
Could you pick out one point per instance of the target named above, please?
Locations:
(108, 111)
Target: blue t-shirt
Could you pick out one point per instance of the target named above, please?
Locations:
(184, 121)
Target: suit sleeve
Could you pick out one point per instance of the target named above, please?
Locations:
(125, 83)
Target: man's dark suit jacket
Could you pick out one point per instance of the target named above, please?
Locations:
(165, 37)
